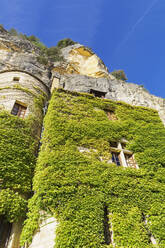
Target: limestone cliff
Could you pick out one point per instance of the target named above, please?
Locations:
(20, 54)
(79, 191)
(83, 71)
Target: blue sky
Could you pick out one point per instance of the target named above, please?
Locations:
(126, 34)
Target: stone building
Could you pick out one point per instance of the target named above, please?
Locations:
(18, 89)
(25, 88)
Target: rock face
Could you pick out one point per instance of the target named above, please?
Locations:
(89, 73)
(19, 54)
(136, 95)
(82, 71)
(117, 90)
(46, 234)
(83, 61)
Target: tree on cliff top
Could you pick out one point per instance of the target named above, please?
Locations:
(65, 42)
(119, 74)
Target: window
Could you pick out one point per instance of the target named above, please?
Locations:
(116, 158)
(122, 156)
(16, 79)
(98, 93)
(19, 109)
(130, 160)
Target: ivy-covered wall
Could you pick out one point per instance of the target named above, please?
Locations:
(77, 187)
(17, 161)
(19, 140)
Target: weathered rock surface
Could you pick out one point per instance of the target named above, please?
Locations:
(89, 72)
(117, 90)
(136, 95)
(81, 60)
(20, 54)
(46, 234)
(81, 71)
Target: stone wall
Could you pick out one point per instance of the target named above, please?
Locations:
(45, 236)
(22, 90)
(15, 235)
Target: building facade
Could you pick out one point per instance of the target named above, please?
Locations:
(92, 173)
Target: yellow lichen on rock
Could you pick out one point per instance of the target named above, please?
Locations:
(9, 46)
(101, 74)
(73, 68)
(81, 60)
(84, 62)
(66, 69)
(82, 51)
(3, 47)
(61, 70)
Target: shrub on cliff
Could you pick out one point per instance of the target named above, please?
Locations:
(54, 54)
(42, 60)
(13, 32)
(65, 42)
(119, 74)
(51, 54)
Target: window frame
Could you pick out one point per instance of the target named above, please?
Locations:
(123, 153)
(16, 79)
(19, 109)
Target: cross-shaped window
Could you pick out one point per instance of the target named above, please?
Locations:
(121, 156)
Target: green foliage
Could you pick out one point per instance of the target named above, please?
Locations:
(54, 54)
(13, 32)
(51, 54)
(65, 42)
(17, 161)
(36, 41)
(42, 60)
(75, 187)
(32, 222)
(119, 74)
(47, 55)
(18, 146)
(12, 205)
(33, 38)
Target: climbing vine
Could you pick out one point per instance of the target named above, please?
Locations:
(76, 187)
(18, 148)
(17, 162)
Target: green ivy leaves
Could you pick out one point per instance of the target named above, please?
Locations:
(75, 186)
